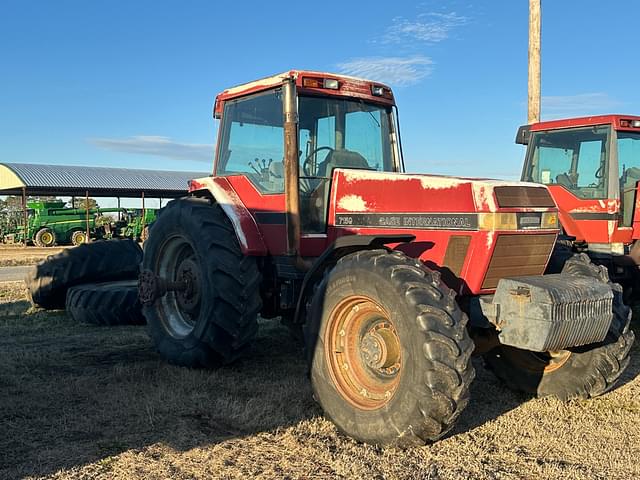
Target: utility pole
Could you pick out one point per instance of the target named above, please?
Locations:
(533, 111)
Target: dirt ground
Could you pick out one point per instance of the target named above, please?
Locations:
(14, 255)
(79, 402)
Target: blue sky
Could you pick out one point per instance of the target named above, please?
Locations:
(132, 83)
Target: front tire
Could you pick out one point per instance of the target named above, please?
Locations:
(388, 349)
(45, 237)
(211, 322)
(582, 372)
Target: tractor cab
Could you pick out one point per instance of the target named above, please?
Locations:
(592, 168)
(341, 122)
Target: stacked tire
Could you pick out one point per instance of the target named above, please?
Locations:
(95, 282)
(110, 303)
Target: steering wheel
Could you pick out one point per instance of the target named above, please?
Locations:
(307, 161)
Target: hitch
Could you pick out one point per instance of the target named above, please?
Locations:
(151, 287)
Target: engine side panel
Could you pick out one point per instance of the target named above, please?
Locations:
(441, 211)
(590, 220)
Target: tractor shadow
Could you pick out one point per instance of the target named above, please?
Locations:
(74, 394)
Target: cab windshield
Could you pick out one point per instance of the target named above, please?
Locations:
(344, 133)
(574, 158)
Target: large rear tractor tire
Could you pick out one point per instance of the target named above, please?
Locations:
(388, 349)
(112, 303)
(45, 237)
(581, 372)
(49, 280)
(211, 322)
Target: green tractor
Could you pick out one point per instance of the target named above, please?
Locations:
(134, 223)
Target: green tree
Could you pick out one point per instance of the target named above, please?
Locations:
(81, 202)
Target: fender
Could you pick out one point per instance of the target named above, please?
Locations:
(342, 246)
(569, 226)
(247, 232)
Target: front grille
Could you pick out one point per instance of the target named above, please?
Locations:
(517, 255)
(512, 197)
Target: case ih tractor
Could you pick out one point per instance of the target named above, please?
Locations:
(308, 217)
(591, 166)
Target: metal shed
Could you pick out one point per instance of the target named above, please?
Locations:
(66, 180)
(76, 181)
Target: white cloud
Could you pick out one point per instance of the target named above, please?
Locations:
(576, 105)
(157, 146)
(396, 71)
(427, 27)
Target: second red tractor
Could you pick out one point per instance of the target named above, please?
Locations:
(591, 166)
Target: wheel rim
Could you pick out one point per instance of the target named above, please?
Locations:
(79, 238)
(537, 362)
(179, 310)
(46, 238)
(363, 353)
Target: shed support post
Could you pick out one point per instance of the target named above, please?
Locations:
(144, 214)
(25, 221)
(86, 209)
(119, 212)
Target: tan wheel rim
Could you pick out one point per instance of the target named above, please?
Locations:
(536, 362)
(79, 238)
(47, 238)
(363, 352)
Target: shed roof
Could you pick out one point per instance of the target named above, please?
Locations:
(97, 181)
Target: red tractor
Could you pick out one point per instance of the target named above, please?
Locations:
(591, 166)
(308, 216)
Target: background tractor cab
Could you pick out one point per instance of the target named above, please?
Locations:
(592, 168)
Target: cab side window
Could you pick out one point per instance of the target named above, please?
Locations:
(252, 141)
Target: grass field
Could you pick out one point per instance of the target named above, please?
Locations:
(79, 402)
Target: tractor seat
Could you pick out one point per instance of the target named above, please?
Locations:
(631, 177)
(276, 170)
(341, 158)
(565, 180)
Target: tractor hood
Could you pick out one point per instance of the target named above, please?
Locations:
(368, 191)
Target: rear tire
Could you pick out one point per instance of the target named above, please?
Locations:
(211, 323)
(114, 303)
(388, 349)
(49, 280)
(581, 372)
(45, 237)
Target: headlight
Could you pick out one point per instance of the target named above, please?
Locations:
(549, 220)
(498, 221)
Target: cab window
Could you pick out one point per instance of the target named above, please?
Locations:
(252, 140)
(575, 158)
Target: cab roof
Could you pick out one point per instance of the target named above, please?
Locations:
(348, 86)
(610, 119)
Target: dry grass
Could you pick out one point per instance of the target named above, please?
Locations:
(78, 401)
(14, 255)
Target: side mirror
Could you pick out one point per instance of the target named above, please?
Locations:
(523, 135)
